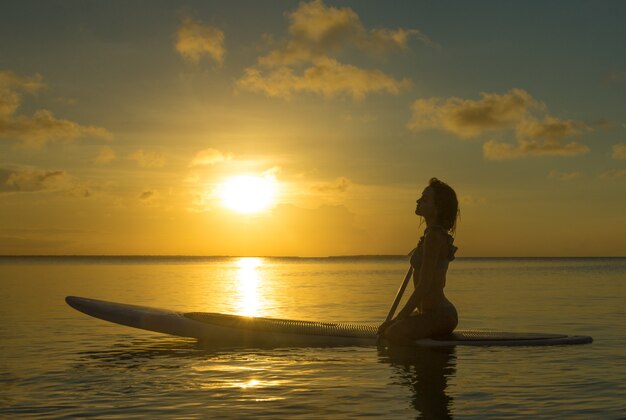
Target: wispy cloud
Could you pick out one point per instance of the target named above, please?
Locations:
(616, 76)
(10, 87)
(148, 196)
(306, 62)
(195, 40)
(613, 174)
(31, 180)
(514, 110)
(539, 138)
(148, 159)
(550, 129)
(208, 157)
(619, 151)
(494, 150)
(105, 155)
(471, 200)
(564, 176)
(327, 77)
(339, 185)
(42, 127)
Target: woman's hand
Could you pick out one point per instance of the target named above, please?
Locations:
(383, 327)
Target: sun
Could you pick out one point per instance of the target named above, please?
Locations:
(247, 193)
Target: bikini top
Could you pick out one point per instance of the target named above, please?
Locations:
(443, 262)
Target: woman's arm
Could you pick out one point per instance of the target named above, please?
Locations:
(410, 305)
(424, 279)
(433, 243)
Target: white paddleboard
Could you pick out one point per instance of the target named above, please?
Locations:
(226, 330)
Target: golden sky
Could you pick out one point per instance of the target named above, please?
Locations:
(123, 125)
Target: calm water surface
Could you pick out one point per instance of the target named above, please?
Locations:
(56, 362)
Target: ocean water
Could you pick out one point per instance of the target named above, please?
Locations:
(56, 362)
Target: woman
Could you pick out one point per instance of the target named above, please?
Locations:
(428, 312)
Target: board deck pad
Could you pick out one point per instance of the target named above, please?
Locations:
(288, 326)
(219, 329)
(354, 330)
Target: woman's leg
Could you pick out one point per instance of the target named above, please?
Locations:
(424, 325)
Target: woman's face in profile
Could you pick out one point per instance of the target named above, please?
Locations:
(426, 203)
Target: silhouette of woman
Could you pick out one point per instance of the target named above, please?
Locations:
(428, 313)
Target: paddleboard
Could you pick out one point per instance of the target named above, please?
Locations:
(226, 330)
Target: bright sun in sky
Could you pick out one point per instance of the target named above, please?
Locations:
(247, 193)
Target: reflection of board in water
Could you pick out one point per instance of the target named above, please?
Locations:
(221, 329)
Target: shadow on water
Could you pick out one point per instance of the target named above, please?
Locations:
(425, 371)
(166, 353)
(134, 354)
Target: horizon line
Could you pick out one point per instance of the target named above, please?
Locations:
(281, 256)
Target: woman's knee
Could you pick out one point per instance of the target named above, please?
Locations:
(407, 330)
(397, 332)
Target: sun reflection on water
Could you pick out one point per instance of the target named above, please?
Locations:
(248, 280)
(250, 384)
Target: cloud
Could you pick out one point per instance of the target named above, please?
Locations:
(31, 180)
(10, 85)
(616, 77)
(322, 28)
(564, 176)
(619, 151)
(613, 174)
(493, 150)
(272, 172)
(327, 77)
(148, 159)
(305, 62)
(514, 111)
(550, 129)
(316, 30)
(339, 185)
(194, 40)
(148, 196)
(383, 40)
(471, 200)
(539, 138)
(106, 155)
(467, 118)
(208, 157)
(42, 127)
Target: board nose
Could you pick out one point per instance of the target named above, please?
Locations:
(71, 300)
(76, 302)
